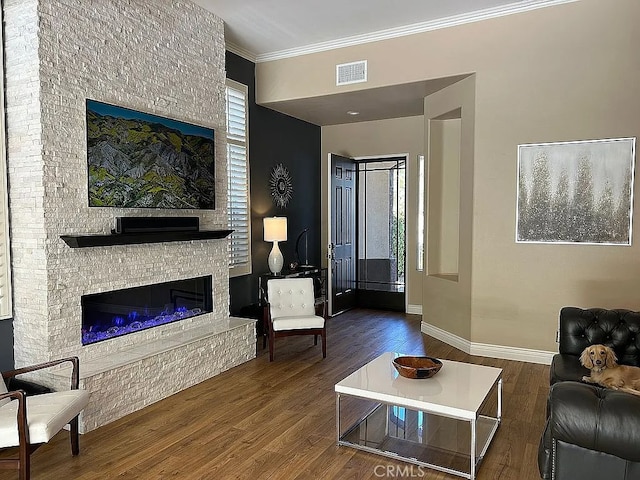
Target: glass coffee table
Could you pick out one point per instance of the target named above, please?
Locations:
(445, 422)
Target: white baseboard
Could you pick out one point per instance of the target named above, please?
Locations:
(446, 337)
(487, 350)
(414, 309)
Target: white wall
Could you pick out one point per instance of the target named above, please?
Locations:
(160, 57)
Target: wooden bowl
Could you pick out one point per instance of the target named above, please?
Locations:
(417, 367)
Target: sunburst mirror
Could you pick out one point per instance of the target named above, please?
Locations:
(281, 185)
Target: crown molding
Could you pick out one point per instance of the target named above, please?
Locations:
(452, 21)
(244, 53)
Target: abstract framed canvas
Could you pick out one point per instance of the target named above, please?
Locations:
(140, 160)
(576, 192)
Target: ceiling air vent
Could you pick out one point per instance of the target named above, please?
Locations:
(354, 72)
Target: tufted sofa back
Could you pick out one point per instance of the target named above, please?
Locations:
(618, 329)
(291, 297)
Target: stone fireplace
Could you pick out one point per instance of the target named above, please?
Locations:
(164, 58)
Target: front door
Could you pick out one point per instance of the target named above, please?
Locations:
(342, 250)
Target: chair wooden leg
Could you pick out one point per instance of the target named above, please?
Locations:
(24, 442)
(271, 346)
(324, 344)
(25, 462)
(265, 327)
(74, 434)
(315, 339)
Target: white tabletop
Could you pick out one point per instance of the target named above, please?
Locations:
(457, 390)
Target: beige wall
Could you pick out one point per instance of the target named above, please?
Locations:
(446, 300)
(568, 72)
(383, 138)
(444, 197)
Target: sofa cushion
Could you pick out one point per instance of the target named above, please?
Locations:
(47, 414)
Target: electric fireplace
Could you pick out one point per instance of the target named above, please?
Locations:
(119, 312)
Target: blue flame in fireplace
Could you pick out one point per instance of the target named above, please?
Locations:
(136, 322)
(118, 312)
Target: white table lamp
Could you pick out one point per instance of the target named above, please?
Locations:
(275, 230)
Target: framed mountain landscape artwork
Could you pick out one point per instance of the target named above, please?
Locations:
(576, 192)
(140, 160)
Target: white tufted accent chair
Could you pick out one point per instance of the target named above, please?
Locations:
(27, 422)
(291, 310)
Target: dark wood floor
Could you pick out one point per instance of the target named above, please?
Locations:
(277, 420)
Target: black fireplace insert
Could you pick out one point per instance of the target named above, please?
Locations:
(119, 312)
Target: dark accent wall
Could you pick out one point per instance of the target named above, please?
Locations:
(276, 138)
(6, 345)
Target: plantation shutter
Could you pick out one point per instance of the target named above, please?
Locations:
(5, 275)
(238, 212)
(5, 263)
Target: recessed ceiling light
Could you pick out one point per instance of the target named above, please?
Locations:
(351, 112)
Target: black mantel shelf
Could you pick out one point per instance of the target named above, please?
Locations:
(82, 241)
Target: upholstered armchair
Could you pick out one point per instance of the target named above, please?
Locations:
(28, 421)
(291, 310)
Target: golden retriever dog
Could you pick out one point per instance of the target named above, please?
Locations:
(606, 372)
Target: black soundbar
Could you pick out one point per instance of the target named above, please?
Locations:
(156, 224)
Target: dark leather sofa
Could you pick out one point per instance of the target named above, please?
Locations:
(591, 432)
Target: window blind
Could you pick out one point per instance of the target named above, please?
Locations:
(238, 208)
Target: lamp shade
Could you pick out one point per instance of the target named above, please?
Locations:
(275, 229)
